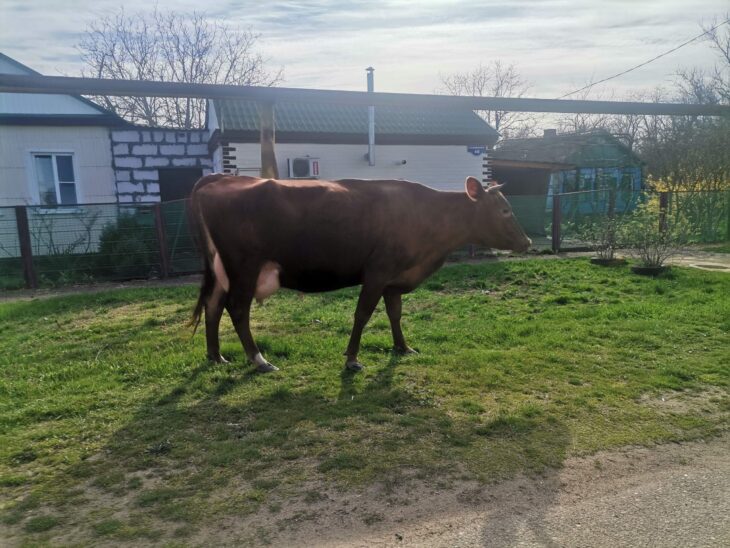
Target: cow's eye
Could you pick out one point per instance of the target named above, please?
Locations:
(505, 211)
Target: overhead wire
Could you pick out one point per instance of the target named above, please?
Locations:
(646, 62)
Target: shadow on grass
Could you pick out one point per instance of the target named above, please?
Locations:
(226, 433)
(203, 438)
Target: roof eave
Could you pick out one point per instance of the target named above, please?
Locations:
(311, 137)
(104, 120)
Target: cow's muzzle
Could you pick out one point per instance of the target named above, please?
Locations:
(523, 246)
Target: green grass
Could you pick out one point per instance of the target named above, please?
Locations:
(113, 425)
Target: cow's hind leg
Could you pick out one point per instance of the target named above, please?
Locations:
(238, 304)
(366, 303)
(394, 307)
(214, 305)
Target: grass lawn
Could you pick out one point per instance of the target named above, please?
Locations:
(114, 428)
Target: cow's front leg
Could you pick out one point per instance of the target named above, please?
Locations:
(366, 303)
(394, 307)
(239, 308)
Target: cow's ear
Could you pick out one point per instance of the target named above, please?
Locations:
(474, 188)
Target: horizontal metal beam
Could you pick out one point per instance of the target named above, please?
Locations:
(14, 83)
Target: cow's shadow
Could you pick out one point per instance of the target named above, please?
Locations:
(199, 424)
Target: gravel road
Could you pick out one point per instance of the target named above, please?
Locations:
(675, 495)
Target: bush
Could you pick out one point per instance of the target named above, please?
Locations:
(603, 234)
(128, 249)
(653, 239)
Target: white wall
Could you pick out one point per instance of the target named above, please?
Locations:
(91, 149)
(438, 166)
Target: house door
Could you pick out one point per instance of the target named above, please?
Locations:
(177, 183)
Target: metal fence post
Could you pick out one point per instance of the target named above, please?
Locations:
(26, 250)
(557, 219)
(727, 212)
(161, 241)
(663, 206)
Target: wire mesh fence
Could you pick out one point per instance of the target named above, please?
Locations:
(11, 268)
(705, 214)
(42, 245)
(92, 242)
(579, 210)
(183, 252)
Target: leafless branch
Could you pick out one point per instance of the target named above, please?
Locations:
(495, 79)
(174, 47)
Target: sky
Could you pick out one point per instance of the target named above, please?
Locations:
(557, 45)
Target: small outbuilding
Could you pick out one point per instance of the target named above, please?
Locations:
(537, 168)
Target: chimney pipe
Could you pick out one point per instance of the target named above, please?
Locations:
(371, 119)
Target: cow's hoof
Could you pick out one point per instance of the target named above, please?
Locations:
(266, 368)
(217, 359)
(354, 365)
(404, 351)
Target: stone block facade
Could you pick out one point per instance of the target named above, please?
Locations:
(139, 153)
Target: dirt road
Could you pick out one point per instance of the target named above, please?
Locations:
(671, 495)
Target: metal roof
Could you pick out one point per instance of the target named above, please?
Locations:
(589, 149)
(308, 118)
(27, 108)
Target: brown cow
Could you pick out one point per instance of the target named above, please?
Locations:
(312, 236)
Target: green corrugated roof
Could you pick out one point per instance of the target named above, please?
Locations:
(238, 115)
(590, 149)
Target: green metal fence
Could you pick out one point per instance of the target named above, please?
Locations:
(11, 268)
(706, 214)
(46, 246)
(41, 245)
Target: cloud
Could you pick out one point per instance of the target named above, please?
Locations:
(558, 45)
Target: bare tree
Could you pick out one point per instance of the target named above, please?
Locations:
(496, 79)
(719, 38)
(172, 47)
(580, 122)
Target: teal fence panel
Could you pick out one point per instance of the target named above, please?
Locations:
(535, 218)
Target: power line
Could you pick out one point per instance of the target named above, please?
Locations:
(646, 62)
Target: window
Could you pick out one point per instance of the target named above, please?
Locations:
(56, 179)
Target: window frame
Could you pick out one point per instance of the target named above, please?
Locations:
(35, 189)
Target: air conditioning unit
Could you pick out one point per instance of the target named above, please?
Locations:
(303, 168)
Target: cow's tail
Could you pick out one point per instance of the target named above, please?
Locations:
(206, 248)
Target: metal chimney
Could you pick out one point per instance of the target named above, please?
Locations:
(371, 119)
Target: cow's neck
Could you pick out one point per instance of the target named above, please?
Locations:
(456, 211)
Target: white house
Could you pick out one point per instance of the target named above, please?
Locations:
(54, 149)
(439, 148)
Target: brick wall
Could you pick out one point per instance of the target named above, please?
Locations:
(138, 153)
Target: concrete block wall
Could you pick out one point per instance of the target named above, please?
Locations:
(138, 154)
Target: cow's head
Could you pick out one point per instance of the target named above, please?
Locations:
(494, 224)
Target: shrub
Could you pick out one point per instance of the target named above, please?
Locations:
(652, 237)
(603, 234)
(128, 248)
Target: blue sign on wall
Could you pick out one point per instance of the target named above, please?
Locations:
(477, 150)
